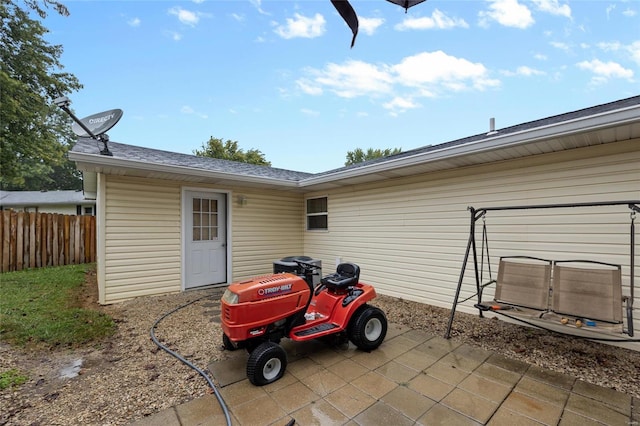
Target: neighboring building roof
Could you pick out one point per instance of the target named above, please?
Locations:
(42, 198)
(611, 122)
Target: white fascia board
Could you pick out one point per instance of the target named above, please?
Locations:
(106, 161)
(497, 141)
(90, 185)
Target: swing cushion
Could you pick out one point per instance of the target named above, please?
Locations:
(524, 281)
(588, 289)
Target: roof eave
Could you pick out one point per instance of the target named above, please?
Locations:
(97, 163)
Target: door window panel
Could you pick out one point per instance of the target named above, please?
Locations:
(205, 219)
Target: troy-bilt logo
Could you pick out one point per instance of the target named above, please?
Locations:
(273, 291)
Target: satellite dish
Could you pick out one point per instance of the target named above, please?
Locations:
(94, 126)
(97, 124)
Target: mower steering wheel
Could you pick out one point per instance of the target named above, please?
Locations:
(307, 266)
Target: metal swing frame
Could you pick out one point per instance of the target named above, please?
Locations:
(472, 250)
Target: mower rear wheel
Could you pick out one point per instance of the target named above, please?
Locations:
(266, 364)
(367, 328)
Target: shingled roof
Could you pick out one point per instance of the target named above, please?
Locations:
(155, 156)
(549, 134)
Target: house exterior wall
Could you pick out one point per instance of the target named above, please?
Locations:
(268, 227)
(141, 242)
(409, 235)
(141, 239)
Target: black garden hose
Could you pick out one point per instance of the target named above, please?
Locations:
(177, 355)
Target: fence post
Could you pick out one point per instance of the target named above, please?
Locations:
(6, 238)
(38, 238)
(32, 240)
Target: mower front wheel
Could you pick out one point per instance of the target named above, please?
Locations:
(266, 364)
(367, 328)
(227, 344)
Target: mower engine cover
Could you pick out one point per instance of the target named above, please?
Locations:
(248, 307)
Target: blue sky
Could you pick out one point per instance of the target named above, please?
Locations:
(279, 75)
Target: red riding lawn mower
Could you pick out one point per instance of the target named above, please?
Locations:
(258, 313)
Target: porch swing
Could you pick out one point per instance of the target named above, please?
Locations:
(582, 298)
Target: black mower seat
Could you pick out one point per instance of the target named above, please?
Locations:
(347, 275)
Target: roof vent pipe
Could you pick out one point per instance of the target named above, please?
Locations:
(492, 126)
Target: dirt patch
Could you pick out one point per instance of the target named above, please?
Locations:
(87, 295)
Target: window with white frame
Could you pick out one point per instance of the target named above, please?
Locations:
(317, 214)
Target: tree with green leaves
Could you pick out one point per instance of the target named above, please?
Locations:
(34, 135)
(57, 6)
(358, 155)
(228, 150)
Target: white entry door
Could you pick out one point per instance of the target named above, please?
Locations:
(206, 242)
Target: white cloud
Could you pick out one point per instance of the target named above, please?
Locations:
(238, 17)
(609, 46)
(540, 56)
(437, 20)
(369, 25)
(508, 13)
(634, 50)
(309, 112)
(258, 5)
(308, 87)
(399, 105)
(353, 79)
(302, 26)
(175, 36)
(187, 17)
(523, 71)
(553, 7)
(186, 109)
(134, 22)
(629, 13)
(398, 87)
(604, 71)
(610, 9)
(560, 45)
(438, 68)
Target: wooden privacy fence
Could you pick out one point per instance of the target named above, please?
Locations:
(35, 240)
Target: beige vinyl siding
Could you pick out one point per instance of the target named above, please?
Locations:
(267, 228)
(142, 245)
(409, 235)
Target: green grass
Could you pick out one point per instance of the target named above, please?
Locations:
(11, 378)
(39, 307)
